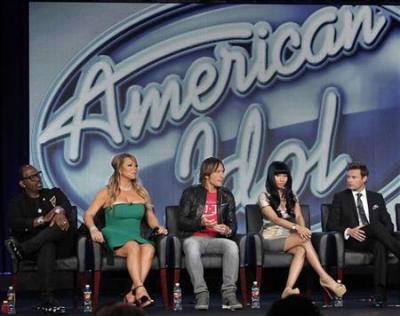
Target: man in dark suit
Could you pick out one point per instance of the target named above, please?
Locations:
(41, 231)
(362, 217)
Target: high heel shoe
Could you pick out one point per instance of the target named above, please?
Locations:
(331, 286)
(289, 291)
(126, 301)
(144, 300)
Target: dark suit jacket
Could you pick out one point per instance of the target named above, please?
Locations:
(343, 213)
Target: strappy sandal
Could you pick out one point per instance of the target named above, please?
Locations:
(126, 301)
(144, 300)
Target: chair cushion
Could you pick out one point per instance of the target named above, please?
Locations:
(120, 264)
(277, 259)
(65, 264)
(356, 258)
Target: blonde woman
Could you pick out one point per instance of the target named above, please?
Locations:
(126, 205)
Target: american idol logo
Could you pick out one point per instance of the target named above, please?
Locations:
(249, 84)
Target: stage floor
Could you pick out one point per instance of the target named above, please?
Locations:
(355, 304)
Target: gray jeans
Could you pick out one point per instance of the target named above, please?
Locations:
(194, 247)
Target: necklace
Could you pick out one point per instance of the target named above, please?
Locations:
(125, 189)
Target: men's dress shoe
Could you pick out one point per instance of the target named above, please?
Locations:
(51, 308)
(202, 301)
(14, 248)
(377, 302)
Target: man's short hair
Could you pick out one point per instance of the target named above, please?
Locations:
(360, 166)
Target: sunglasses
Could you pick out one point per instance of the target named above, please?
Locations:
(33, 176)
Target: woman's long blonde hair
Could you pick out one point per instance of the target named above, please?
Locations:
(114, 184)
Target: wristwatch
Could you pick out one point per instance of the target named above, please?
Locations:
(58, 210)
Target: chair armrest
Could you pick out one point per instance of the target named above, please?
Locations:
(14, 260)
(162, 243)
(177, 251)
(336, 241)
(81, 253)
(324, 246)
(97, 255)
(257, 241)
(241, 241)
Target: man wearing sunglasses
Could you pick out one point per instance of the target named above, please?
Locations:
(41, 231)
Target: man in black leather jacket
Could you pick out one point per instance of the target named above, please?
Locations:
(41, 231)
(206, 221)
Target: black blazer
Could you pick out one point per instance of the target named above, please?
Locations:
(343, 213)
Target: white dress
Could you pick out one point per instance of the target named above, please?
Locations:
(274, 235)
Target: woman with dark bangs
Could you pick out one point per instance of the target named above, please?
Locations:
(284, 230)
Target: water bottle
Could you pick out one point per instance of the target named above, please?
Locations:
(338, 301)
(177, 295)
(4, 307)
(11, 300)
(255, 296)
(87, 299)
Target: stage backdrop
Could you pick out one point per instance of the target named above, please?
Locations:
(316, 86)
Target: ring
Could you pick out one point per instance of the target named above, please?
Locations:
(64, 222)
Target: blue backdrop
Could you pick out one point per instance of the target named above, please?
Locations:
(172, 84)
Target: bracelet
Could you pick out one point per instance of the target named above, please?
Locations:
(40, 220)
(294, 227)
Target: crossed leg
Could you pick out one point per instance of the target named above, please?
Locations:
(138, 261)
(303, 248)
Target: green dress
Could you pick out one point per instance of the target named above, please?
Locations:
(122, 223)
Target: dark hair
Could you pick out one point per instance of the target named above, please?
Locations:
(279, 167)
(360, 166)
(208, 166)
(294, 305)
(119, 310)
(22, 170)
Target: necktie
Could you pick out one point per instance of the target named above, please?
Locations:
(361, 211)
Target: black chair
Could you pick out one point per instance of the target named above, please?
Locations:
(210, 261)
(103, 263)
(342, 258)
(75, 263)
(265, 259)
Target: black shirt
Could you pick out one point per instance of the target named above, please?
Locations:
(24, 209)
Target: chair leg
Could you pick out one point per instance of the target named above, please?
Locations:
(80, 281)
(339, 274)
(76, 290)
(177, 275)
(243, 285)
(259, 276)
(96, 288)
(164, 288)
(14, 280)
(309, 281)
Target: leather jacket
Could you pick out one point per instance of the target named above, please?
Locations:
(192, 206)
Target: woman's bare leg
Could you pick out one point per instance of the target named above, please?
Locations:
(295, 240)
(296, 265)
(146, 258)
(131, 251)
